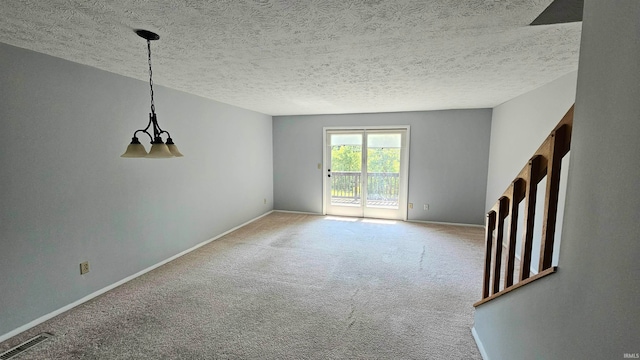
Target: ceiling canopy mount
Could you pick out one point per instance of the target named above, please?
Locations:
(146, 34)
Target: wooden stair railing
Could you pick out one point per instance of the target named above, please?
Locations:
(546, 162)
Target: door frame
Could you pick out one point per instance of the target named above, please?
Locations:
(404, 166)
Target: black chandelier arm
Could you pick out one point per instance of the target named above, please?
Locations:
(164, 132)
(157, 131)
(144, 131)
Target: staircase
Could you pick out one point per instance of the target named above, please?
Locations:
(504, 216)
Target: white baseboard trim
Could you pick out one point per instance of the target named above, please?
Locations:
(415, 221)
(297, 212)
(483, 353)
(61, 310)
(445, 223)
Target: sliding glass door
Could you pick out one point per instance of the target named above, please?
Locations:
(366, 173)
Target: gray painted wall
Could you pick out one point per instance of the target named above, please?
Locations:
(518, 128)
(448, 161)
(67, 196)
(589, 309)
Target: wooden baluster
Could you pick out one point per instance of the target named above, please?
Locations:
(503, 211)
(491, 225)
(532, 178)
(517, 194)
(556, 152)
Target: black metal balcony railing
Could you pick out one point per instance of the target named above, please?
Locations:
(380, 186)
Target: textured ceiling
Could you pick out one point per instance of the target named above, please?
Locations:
(283, 57)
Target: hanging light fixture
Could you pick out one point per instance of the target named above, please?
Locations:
(159, 149)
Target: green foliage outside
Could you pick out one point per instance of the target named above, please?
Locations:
(380, 160)
(346, 158)
(383, 160)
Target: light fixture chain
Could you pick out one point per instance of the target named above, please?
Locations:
(153, 106)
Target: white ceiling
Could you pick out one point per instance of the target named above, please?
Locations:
(283, 57)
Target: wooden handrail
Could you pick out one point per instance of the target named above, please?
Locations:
(545, 162)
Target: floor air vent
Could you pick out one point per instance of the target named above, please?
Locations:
(25, 346)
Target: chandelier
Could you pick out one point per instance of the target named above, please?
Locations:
(159, 149)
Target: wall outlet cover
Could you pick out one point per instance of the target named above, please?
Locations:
(84, 268)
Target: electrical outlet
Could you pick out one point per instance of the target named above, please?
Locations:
(265, 200)
(84, 268)
(410, 205)
(426, 206)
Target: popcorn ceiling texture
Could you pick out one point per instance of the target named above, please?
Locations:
(283, 57)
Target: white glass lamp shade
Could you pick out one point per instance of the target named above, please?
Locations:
(135, 150)
(173, 148)
(159, 150)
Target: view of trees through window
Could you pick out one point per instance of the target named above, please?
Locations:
(380, 160)
(382, 179)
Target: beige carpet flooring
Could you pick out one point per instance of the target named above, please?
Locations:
(289, 286)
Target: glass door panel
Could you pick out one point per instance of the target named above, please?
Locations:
(344, 173)
(383, 170)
